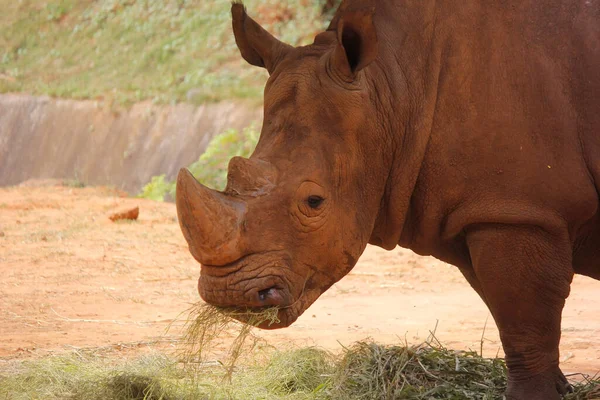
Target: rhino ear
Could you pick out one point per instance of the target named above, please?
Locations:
(357, 44)
(256, 45)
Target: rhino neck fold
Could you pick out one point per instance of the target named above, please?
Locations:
(409, 112)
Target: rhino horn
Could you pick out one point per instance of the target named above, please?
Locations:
(211, 221)
(250, 177)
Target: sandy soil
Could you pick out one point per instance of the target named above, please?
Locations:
(72, 278)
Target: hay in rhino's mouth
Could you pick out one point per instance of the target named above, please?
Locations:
(255, 318)
(205, 324)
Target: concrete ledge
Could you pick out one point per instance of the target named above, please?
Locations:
(43, 138)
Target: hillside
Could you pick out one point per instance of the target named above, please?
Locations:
(126, 51)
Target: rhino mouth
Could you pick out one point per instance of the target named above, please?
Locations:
(255, 283)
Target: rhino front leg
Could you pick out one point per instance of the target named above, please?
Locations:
(525, 275)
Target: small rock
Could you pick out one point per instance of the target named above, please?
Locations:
(129, 215)
(2, 234)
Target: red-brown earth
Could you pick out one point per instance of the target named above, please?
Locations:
(72, 278)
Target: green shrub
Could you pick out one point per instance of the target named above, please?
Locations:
(157, 188)
(211, 167)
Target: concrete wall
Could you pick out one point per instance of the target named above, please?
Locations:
(85, 140)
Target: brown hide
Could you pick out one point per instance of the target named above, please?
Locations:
(466, 130)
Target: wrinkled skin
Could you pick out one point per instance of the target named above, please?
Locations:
(469, 131)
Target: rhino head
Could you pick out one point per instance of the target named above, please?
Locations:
(294, 217)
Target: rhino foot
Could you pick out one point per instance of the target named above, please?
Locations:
(549, 385)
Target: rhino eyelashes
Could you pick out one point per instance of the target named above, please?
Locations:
(314, 201)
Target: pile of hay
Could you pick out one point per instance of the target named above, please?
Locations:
(87, 375)
(430, 371)
(364, 371)
(368, 370)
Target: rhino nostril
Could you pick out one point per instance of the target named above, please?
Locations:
(265, 294)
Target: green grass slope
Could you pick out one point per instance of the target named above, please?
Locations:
(126, 51)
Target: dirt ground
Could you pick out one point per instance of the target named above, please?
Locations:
(71, 278)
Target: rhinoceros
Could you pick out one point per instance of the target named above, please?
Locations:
(465, 130)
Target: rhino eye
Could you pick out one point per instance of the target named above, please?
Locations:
(314, 201)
